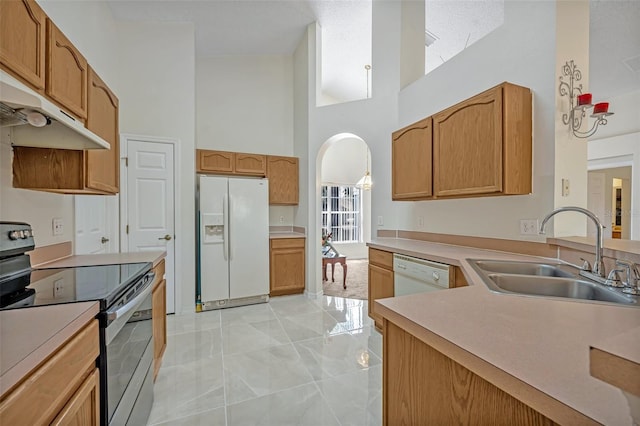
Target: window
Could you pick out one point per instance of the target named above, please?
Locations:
(341, 213)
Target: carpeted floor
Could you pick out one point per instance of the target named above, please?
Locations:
(357, 280)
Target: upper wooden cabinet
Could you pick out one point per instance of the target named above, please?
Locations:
(23, 41)
(479, 147)
(411, 161)
(67, 72)
(236, 163)
(73, 171)
(283, 174)
(482, 146)
(281, 171)
(103, 166)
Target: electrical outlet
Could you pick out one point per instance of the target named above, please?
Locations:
(565, 187)
(281, 219)
(380, 221)
(58, 226)
(58, 288)
(420, 222)
(528, 226)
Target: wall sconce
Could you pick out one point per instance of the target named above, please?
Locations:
(580, 102)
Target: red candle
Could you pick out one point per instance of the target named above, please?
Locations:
(584, 99)
(601, 107)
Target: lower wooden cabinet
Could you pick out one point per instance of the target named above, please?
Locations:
(380, 281)
(286, 264)
(63, 390)
(159, 319)
(84, 407)
(422, 386)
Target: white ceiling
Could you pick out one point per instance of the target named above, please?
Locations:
(274, 27)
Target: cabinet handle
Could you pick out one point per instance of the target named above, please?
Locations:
(166, 237)
(104, 240)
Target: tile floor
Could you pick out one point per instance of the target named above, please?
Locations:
(292, 361)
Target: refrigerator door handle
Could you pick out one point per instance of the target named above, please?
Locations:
(225, 235)
(230, 201)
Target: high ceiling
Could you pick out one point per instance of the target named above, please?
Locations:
(274, 27)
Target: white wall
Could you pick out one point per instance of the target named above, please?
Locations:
(245, 104)
(157, 98)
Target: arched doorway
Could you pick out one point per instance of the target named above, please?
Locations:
(345, 210)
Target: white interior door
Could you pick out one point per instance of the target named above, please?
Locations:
(596, 203)
(150, 203)
(95, 223)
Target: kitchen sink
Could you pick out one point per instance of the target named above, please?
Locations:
(547, 269)
(558, 287)
(546, 279)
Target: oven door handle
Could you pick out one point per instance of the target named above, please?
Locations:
(133, 303)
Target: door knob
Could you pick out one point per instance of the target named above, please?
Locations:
(104, 240)
(166, 237)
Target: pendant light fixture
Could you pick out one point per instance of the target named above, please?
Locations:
(365, 182)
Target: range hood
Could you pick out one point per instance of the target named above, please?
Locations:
(19, 105)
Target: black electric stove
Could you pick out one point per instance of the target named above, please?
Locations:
(21, 286)
(124, 292)
(105, 284)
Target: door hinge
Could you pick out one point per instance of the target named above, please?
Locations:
(127, 230)
(126, 161)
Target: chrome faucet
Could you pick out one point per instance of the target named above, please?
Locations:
(598, 265)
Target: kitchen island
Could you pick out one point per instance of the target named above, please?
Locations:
(504, 354)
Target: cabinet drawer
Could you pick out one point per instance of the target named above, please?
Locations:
(43, 393)
(384, 259)
(277, 243)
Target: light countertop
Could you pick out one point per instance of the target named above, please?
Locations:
(534, 348)
(104, 259)
(28, 336)
(275, 235)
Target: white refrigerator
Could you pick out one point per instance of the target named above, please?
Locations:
(233, 246)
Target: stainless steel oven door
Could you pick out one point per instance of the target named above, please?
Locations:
(129, 356)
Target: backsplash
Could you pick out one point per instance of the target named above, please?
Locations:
(36, 208)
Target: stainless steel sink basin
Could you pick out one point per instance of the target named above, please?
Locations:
(546, 279)
(528, 268)
(558, 287)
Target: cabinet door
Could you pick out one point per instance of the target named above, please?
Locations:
(215, 161)
(159, 320)
(283, 180)
(286, 266)
(103, 166)
(251, 164)
(411, 153)
(83, 409)
(467, 146)
(380, 287)
(22, 40)
(67, 72)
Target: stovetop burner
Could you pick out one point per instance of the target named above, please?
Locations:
(21, 286)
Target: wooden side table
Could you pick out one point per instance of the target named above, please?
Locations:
(342, 260)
